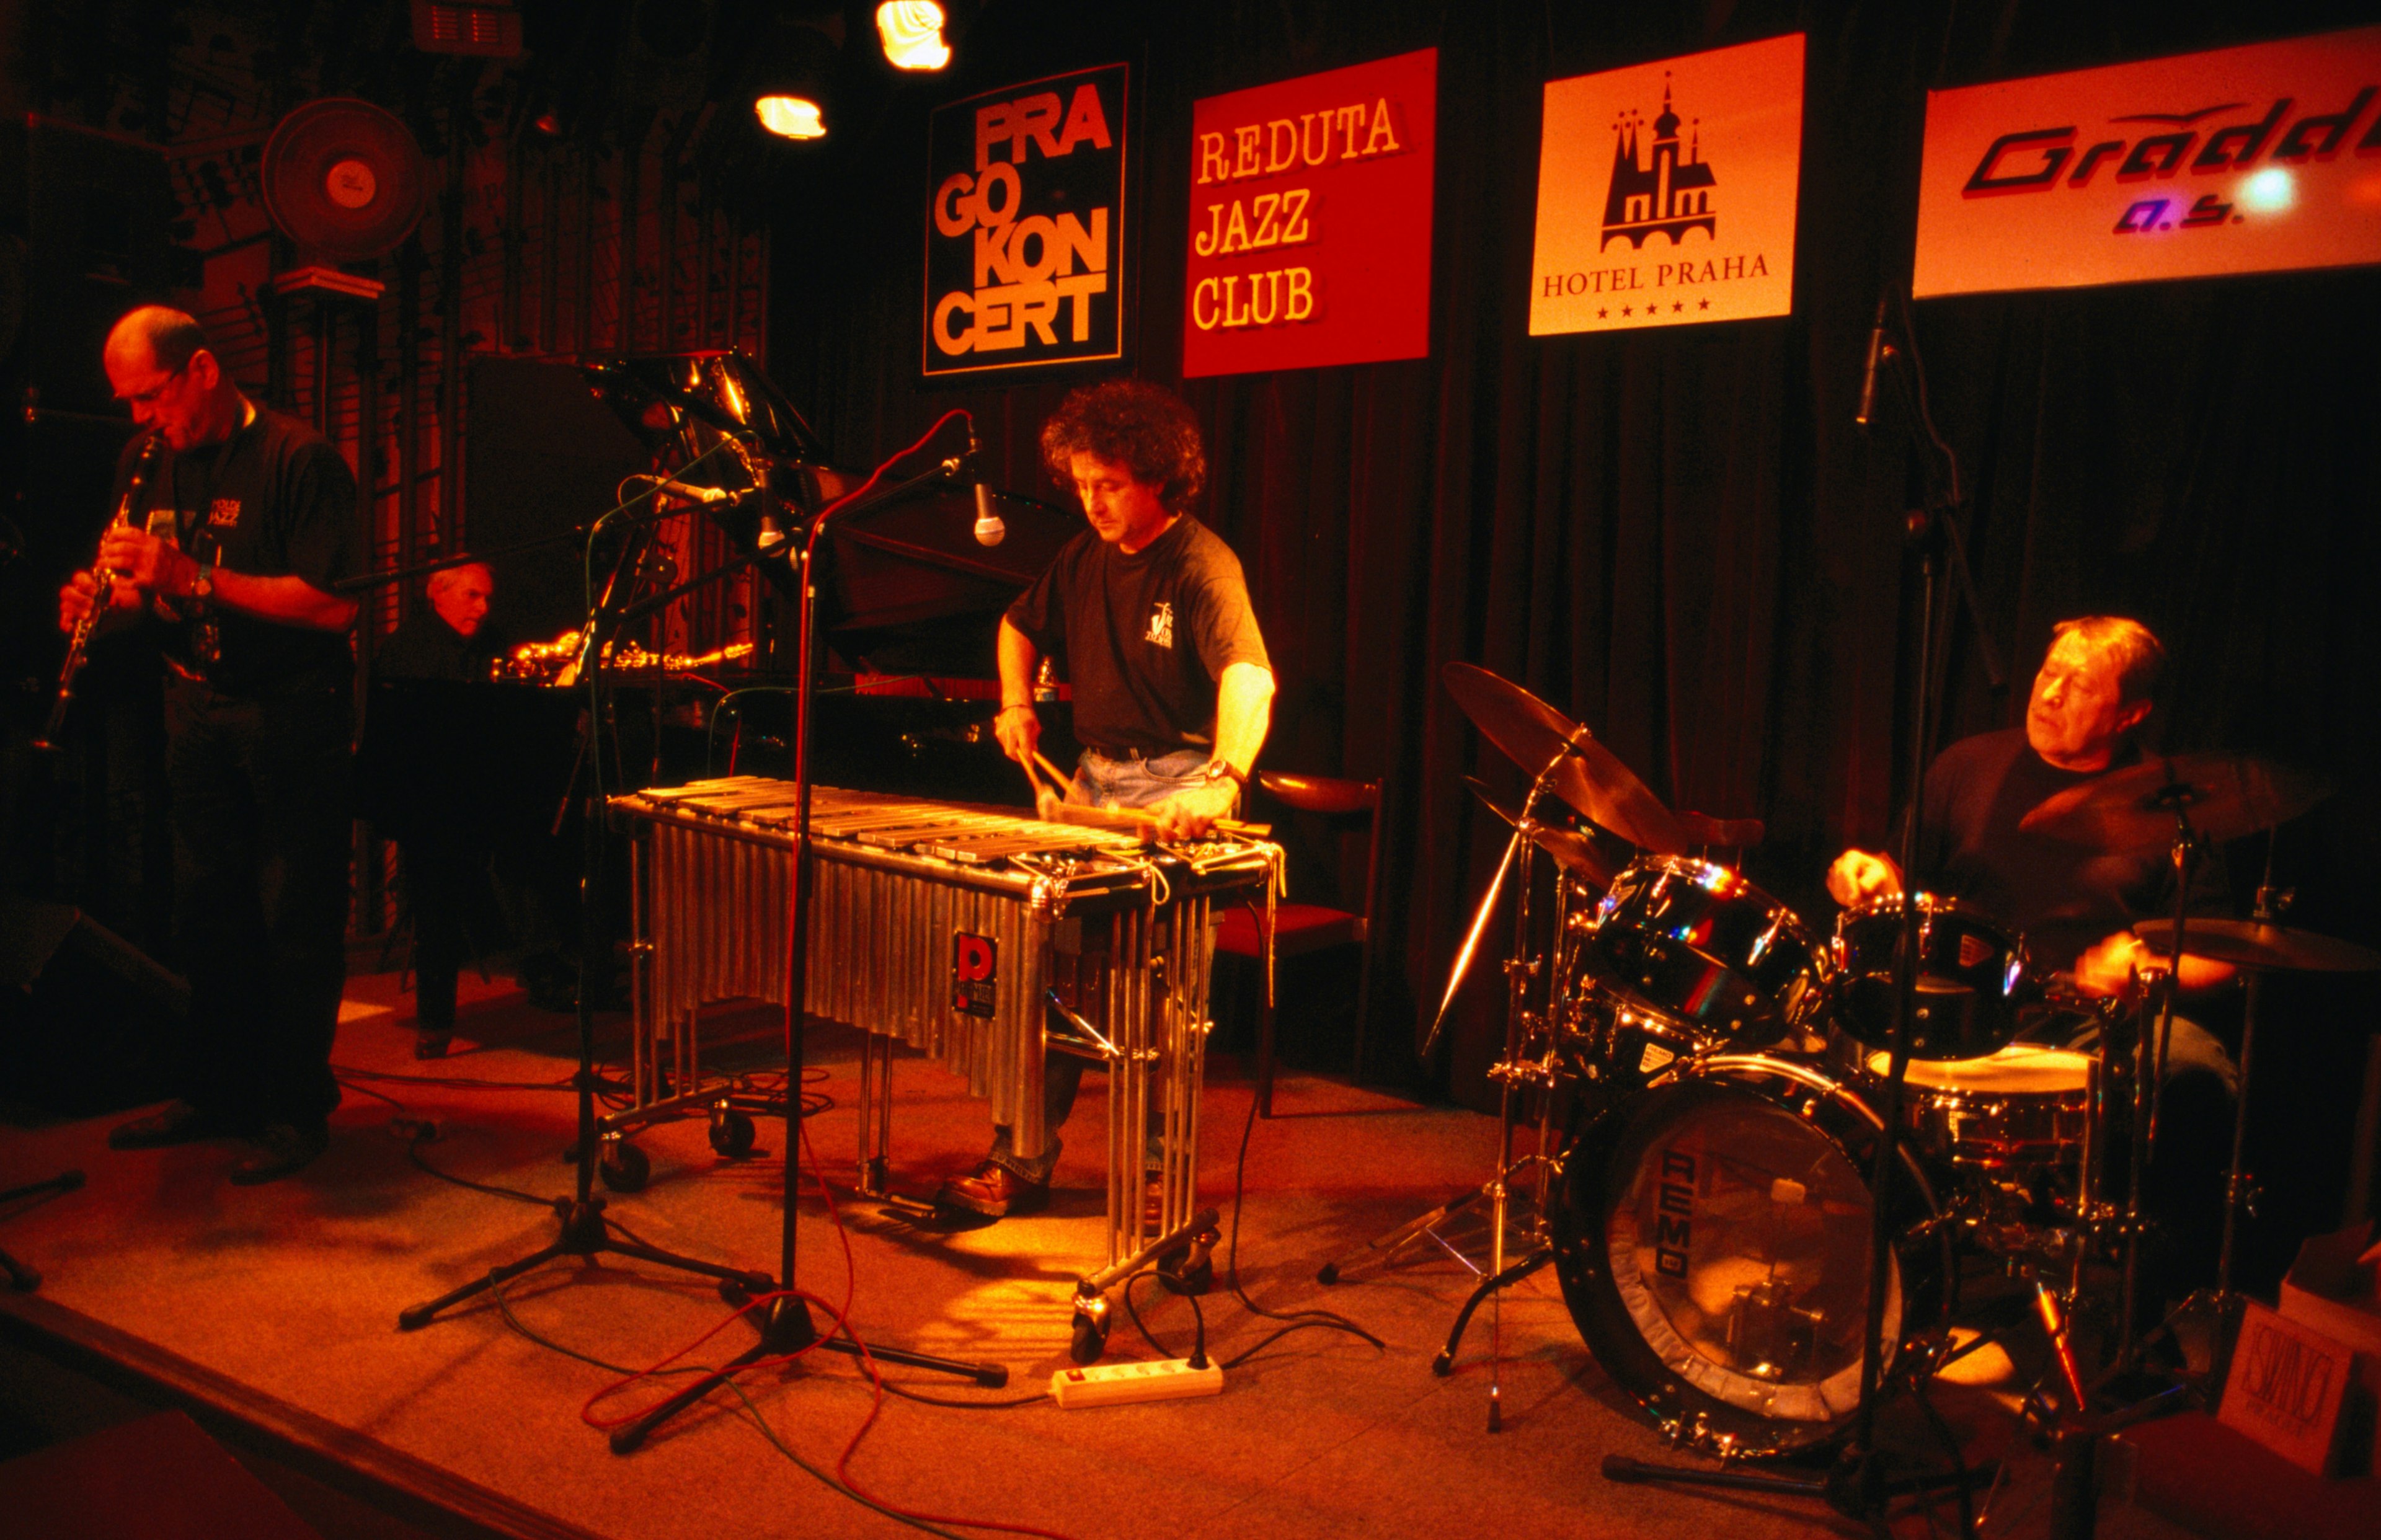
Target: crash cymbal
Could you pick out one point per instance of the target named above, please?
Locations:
(2229, 795)
(1531, 733)
(2252, 944)
(1573, 852)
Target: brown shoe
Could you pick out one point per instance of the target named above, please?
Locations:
(281, 1148)
(175, 1123)
(995, 1191)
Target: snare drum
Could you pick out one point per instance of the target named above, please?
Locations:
(1694, 945)
(2022, 1108)
(1973, 980)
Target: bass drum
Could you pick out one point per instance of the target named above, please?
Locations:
(1712, 1237)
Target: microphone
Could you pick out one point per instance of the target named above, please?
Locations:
(1877, 350)
(989, 529)
(704, 494)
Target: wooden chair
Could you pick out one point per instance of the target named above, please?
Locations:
(1300, 929)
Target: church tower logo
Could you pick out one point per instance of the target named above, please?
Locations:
(1669, 197)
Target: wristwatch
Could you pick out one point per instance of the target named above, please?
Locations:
(202, 587)
(1221, 770)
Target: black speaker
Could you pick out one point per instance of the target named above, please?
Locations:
(542, 457)
(88, 1020)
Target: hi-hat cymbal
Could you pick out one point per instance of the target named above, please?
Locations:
(1587, 775)
(2228, 795)
(2252, 944)
(1573, 852)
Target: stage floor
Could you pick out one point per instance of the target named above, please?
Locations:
(291, 1292)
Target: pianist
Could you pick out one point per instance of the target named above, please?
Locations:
(443, 856)
(1148, 615)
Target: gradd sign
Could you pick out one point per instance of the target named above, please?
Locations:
(2243, 160)
(1311, 220)
(1667, 191)
(1025, 225)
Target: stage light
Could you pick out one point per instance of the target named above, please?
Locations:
(913, 34)
(790, 116)
(2268, 190)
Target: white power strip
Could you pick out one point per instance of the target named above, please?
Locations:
(1115, 1384)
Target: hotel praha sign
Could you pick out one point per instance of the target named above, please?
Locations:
(1025, 225)
(1311, 220)
(1666, 192)
(2245, 160)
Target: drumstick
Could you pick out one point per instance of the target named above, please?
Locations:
(1060, 779)
(1133, 820)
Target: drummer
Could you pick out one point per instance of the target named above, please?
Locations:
(2076, 907)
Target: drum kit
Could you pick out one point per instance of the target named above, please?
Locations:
(1709, 1079)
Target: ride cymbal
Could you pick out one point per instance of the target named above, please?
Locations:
(2253, 944)
(2228, 795)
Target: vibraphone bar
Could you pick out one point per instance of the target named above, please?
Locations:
(980, 936)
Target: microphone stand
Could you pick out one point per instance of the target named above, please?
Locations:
(1861, 1483)
(584, 1231)
(784, 1320)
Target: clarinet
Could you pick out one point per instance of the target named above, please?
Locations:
(79, 642)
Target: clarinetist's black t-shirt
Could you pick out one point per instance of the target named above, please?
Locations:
(273, 500)
(1144, 638)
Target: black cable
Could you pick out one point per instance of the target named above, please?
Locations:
(1039, 1398)
(1304, 1318)
(380, 1096)
(413, 1149)
(503, 1308)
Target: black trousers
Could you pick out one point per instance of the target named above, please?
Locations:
(262, 828)
(443, 876)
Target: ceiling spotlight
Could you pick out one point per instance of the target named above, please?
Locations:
(912, 32)
(790, 116)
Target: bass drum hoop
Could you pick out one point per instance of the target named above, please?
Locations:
(1582, 1227)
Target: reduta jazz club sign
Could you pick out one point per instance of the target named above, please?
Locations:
(1311, 220)
(2243, 160)
(1667, 191)
(1025, 228)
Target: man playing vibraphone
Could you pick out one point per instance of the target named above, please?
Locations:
(1148, 615)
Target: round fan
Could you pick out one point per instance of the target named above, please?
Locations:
(344, 178)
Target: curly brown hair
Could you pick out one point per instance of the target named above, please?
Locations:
(1146, 428)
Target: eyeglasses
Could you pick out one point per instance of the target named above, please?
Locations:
(149, 397)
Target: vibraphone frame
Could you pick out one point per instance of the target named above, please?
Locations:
(1102, 948)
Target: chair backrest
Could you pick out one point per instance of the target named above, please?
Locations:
(1335, 798)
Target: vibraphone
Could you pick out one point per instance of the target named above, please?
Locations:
(981, 937)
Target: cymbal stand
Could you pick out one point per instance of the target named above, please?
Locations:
(2150, 1057)
(1528, 1060)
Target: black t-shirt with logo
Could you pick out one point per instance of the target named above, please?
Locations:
(1144, 638)
(273, 500)
(2064, 898)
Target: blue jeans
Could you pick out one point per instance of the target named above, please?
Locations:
(1106, 783)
